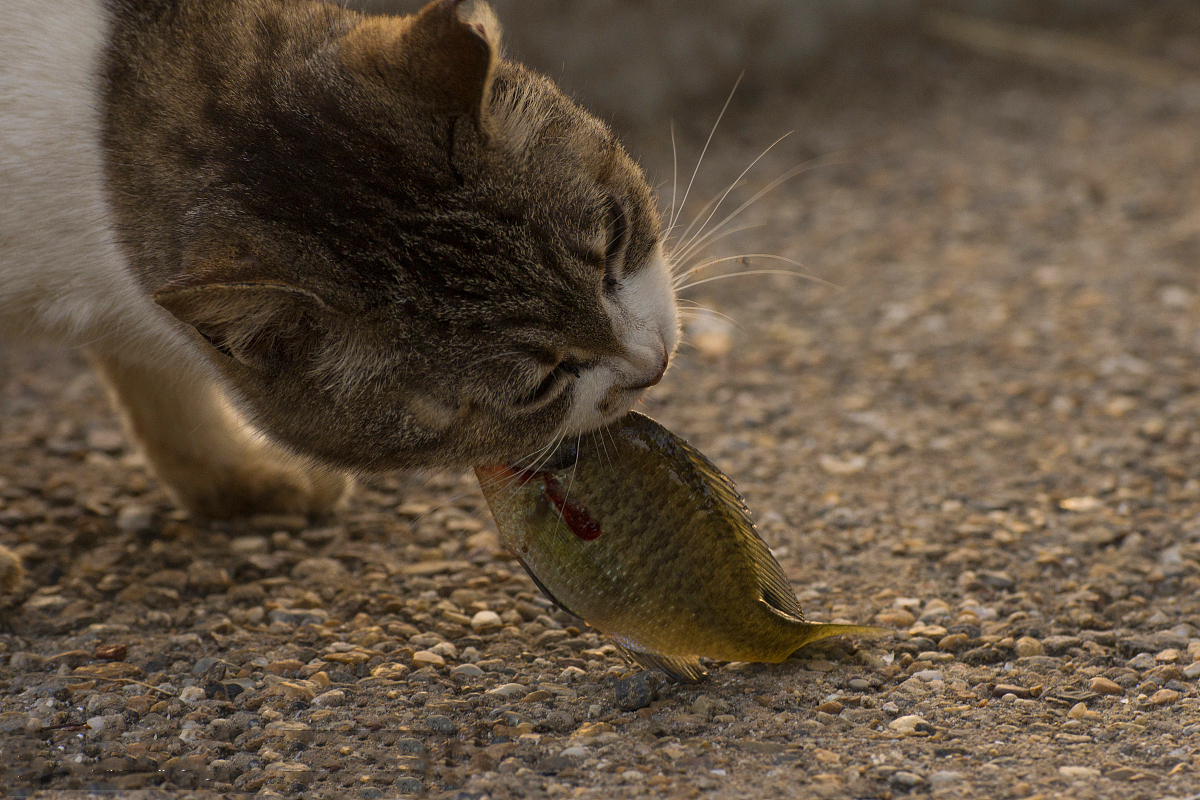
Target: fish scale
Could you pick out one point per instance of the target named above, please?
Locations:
(637, 533)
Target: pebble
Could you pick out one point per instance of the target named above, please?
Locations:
(945, 777)
(905, 781)
(330, 699)
(1164, 697)
(634, 692)
(910, 723)
(407, 786)
(135, 519)
(467, 671)
(439, 723)
(427, 658)
(1104, 686)
(1028, 646)
(1073, 773)
(1077, 711)
(108, 722)
(485, 620)
(929, 675)
(13, 722)
(510, 690)
(1192, 671)
(1142, 661)
(192, 694)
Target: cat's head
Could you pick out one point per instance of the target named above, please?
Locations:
(415, 253)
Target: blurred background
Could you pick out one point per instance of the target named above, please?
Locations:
(637, 61)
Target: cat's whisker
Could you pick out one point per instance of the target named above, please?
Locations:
(787, 176)
(721, 198)
(747, 257)
(677, 260)
(698, 311)
(700, 160)
(674, 173)
(760, 272)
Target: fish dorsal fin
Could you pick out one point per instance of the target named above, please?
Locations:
(684, 670)
(776, 591)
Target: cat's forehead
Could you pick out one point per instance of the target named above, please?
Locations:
(533, 122)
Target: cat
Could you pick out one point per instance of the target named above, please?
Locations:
(298, 242)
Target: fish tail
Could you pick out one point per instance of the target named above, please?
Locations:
(816, 631)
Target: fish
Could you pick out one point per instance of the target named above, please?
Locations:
(634, 531)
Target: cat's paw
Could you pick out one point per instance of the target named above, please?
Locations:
(11, 571)
(260, 487)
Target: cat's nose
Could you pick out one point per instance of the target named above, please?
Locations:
(662, 370)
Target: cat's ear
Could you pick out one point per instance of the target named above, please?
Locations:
(260, 324)
(434, 57)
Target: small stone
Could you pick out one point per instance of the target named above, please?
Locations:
(510, 690)
(1104, 686)
(192, 695)
(1168, 656)
(1077, 711)
(409, 786)
(13, 722)
(485, 620)
(845, 465)
(826, 756)
(1080, 504)
(288, 666)
(944, 777)
(466, 671)
(905, 781)
(1028, 646)
(111, 652)
(1163, 697)
(832, 707)
(441, 724)
(634, 692)
(929, 675)
(910, 723)
(895, 618)
(330, 699)
(559, 722)
(109, 722)
(1192, 671)
(1079, 773)
(427, 658)
(445, 650)
(1142, 661)
(135, 519)
(576, 751)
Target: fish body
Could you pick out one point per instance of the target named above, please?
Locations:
(637, 533)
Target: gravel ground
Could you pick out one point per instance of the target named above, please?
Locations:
(986, 439)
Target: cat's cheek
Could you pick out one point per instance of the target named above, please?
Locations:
(595, 401)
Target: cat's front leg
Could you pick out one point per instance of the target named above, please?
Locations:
(214, 463)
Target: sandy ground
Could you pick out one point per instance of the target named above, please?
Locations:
(984, 437)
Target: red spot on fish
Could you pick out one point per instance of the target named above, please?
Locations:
(572, 513)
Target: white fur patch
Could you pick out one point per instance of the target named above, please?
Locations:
(61, 273)
(646, 319)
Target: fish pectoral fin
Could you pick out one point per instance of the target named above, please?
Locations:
(549, 596)
(684, 670)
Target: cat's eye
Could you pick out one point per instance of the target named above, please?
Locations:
(617, 236)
